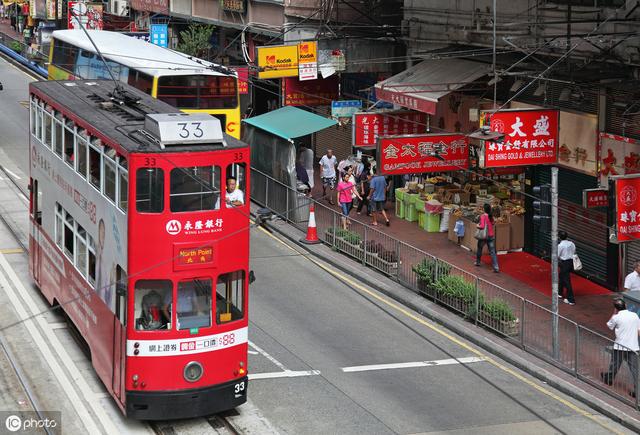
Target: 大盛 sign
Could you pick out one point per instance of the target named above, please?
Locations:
(367, 127)
(595, 198)
(627, 209)
(415, 154)
(530, 138)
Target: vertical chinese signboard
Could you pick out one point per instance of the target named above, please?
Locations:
(243, 79)
(307, 61)
(416, 154)
(367, 127)
(530, 138)
(627, 208)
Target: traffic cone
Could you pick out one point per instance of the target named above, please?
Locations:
(312, 232)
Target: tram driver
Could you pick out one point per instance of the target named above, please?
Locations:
(188, 305)
(233, 197)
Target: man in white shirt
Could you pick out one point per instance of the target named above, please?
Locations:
(233, 197)
(566, 251)
(632, 281)
(328, 164)
(626, 325)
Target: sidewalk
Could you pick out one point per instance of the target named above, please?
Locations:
(590, 311)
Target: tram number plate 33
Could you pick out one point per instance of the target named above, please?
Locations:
(239, 388)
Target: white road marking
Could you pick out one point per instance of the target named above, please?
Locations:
(54, 342)
(283, 374)
(58, 325)
(267, 356)
(441, 362)
(252, 352)
(17, 177)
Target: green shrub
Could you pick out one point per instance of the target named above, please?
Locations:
(457, 288)
(339, 232)
(351, 237)
(426, 270)
(16, 46)
(498, 309)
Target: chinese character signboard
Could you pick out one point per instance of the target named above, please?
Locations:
(345, 108)
(367, 127)
(51, 9)
(417, 154)
(159, 34)
(627, 208)
(530, 138)
(277, 61)
(239, 6)
(310, 93)
(618, 156)
(307, 61)
(90, 15)
(595, 198)
(243, 79)
(159, 6)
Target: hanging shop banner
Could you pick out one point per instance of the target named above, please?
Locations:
(310, 93)
(51, 9)
(243, 79)
(368, 126)
(417, 153)
(592, 198)
(530, 138)
(89, 14)
(157, 6)
(308, 60)
(345, 108)
(277, 61)
(627, 208)
(618, 156)
(578, 142)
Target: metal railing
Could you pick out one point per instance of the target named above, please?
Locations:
(580, 351)
(23, 53)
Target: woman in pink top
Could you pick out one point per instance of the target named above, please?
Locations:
(487, 220)
(346, 189)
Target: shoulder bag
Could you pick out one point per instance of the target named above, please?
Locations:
(482, 233)
(577, 264)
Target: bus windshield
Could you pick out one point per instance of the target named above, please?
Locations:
(198, 91)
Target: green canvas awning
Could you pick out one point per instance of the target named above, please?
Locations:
(290, 122)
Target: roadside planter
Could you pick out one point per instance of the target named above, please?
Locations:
(498, 315)
(458, 293)
(426, 272)
(382, 259)
(345, 241)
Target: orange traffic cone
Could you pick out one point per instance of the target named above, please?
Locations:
(312, 232)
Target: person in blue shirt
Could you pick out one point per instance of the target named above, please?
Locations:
(378, 196)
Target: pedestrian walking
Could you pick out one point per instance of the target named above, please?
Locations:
(346, 189)
(328, 164)
(365, 179)
(632, 281)
(487, 221)
(566, 251)
(378, 193)
(626, 325)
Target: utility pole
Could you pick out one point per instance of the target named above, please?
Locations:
(554, 259)
(495, 73)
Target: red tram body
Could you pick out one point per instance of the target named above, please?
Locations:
(151, 268)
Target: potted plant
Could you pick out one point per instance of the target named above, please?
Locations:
(426, 272)
(458, 293)
(497, 314)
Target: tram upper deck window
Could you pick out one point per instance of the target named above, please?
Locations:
(194, 304)
(69, 142)
(48, 119)
(64, 55)
(195, 188)
(81, 153)
(123, 183)
(153, 298)
(95, 164)
(230, 297)
(57, 133)
(109, 169)
(150, 190)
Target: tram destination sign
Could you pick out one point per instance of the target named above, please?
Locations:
(184, 128)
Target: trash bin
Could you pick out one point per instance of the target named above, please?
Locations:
(400, 202)
(409, 207)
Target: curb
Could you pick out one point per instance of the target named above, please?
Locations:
(485, 343)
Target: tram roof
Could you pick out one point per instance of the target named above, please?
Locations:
(90, 101)
(137, 53)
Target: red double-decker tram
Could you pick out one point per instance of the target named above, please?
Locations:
(139, 230)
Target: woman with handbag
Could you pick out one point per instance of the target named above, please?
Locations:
(566, 255)
(485, 233)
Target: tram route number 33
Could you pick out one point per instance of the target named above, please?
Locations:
(239, 387)
(190, 129)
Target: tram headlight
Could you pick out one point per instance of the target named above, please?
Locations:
(193, 371)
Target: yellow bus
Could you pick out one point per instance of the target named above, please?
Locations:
(190, 84)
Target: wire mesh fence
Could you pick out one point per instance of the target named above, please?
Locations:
(556, 339)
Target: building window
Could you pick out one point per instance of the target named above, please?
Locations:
(150, 190)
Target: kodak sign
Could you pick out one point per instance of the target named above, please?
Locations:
(307, 61)
(277, 61)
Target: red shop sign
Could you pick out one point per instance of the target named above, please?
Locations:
(595, 198)
(310, 92)
(414, 154)
(530, 138)
(627, 208)
(367, 127)
(243, 79)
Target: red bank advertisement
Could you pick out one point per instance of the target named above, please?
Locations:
(367, 127)
(530, 138)
(628, 208)
(415, 154)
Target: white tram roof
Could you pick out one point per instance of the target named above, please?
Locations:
(137, 53)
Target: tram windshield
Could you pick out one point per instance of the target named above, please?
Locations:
(194, 304)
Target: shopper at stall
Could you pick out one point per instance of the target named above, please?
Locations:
(328, 164)
(378, 193)
(487, 221)
(566, 251)
(346, 189)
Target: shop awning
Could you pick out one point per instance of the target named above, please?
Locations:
(290, 122)
(421, 86)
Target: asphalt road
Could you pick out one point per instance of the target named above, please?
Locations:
(329, 357)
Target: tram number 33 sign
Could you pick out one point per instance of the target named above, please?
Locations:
(627, 209)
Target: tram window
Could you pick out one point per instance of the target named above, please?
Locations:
(230, 297)
(195, 188)
(57, 134)
(150, 190)
(235, 171)
(95, 166)
(81, 155)
(47, 127)
(194, 304)
(121, 294)
(81, 250)
(153, 300)
(92, 260)
(123, 186)
(68, 235)
(109, 186)
(140, 80)
(69, 142)
(58, 229)
(40, 125)
(32, 112)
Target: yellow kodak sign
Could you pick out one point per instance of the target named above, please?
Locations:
(277, 61)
